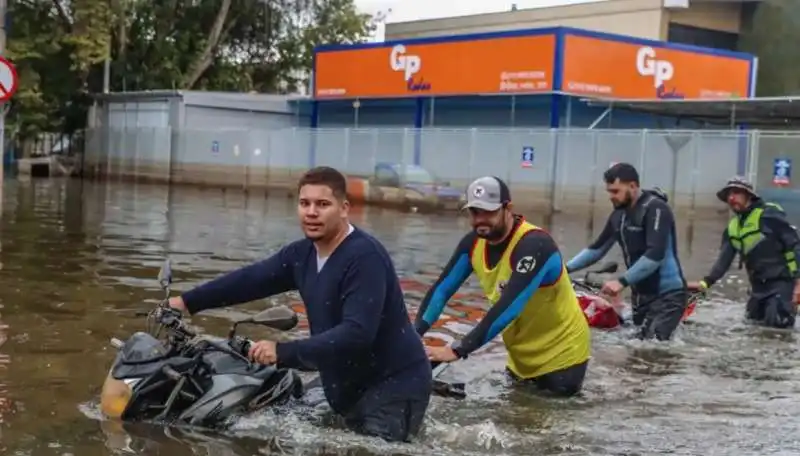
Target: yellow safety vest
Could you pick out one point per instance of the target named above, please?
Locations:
(745, 236)
(551, 333)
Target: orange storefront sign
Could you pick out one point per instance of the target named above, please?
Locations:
(509, 64)
(620, 69)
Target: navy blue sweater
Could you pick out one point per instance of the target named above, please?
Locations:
(361, 335)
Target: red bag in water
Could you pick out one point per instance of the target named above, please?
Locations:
(599, 312)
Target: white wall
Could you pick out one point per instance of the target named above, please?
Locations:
(641, 18)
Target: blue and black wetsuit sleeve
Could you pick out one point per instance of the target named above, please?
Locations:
(458, 269)
(776, 222)
(597, 249)
(658, 224)
(535, 262)
(724, 260)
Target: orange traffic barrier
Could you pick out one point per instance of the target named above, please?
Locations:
(357, 188)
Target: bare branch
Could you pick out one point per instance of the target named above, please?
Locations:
(63, 15)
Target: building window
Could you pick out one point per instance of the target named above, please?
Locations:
(687, 34)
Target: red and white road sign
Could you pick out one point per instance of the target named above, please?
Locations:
(8, 79)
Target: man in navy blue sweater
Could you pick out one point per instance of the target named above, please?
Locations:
(372, 364)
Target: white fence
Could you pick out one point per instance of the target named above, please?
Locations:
(567, 164)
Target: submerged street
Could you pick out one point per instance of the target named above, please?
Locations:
(77, 259)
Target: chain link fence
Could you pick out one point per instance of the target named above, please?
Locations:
(560, 168)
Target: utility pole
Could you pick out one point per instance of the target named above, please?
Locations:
(379, 21)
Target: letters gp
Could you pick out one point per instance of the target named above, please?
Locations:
(660, 70)
(409, 65)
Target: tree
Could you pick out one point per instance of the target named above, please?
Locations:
(59, 48)
(772, 34)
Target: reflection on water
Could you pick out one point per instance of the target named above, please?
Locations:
(76, 259)
(6, 405)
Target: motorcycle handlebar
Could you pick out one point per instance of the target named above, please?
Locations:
(173, 320)
(594, 287)
(241, 345)
(588, 285)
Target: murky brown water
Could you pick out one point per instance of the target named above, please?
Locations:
(76, 259)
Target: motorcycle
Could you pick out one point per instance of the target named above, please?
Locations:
(608, 314)
(190, 378)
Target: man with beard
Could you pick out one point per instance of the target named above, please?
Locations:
(643, 225)
(534, 307)
(768, 247)
(372, 364)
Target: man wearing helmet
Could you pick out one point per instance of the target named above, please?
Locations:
(768, 247)
(643, 225)
(534, 307)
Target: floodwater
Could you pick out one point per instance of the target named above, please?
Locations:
(77, 259)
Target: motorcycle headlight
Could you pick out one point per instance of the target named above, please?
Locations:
(115, 396)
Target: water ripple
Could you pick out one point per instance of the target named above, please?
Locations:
(76, 259)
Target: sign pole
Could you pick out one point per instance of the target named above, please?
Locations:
(9, 82)
(3, 8)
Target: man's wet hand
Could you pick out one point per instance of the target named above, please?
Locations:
(264, 352)
(176, 302)
(612, 288)
(696, 286)
(796, 293)
(441, 354)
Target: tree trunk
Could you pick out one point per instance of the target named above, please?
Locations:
(203, 61)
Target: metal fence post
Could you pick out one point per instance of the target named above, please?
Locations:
(247, 161)
(176, 160)
(675, 158)
(696, 138)
(119, 154)
(346, 150)
(595, 165)
(107, 153)
(267, 151)
(642, 151)
(754, 139)
(473, 134)
(404, 148)
(137, 159)
(560, 138)
(554, 162)
(470, 173)
(375, 145)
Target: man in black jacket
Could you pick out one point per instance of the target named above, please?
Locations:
(768, 246)
(644, 227)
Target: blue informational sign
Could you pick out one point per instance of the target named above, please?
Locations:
(782, 171)
(527, 156)
(214, 147)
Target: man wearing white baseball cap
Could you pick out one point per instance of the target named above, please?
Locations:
(534, 307)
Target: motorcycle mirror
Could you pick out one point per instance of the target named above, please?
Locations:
(281, 318)
(165, 274)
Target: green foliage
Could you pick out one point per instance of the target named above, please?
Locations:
(59, 48)
(773, 37)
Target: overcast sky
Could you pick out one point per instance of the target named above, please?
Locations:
(409, 10)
